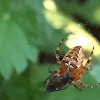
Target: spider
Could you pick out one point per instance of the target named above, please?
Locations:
(70, 72)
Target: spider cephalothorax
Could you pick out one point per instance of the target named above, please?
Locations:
(71, 70)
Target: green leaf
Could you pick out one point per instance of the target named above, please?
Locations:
(95, 72)
(18, 29)
(14, 49)
(43, 25)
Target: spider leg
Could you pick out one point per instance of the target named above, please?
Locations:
(89, 67)
(73, 82)
(56, 71)
(90, 58)
(86, 86)
(57, 53)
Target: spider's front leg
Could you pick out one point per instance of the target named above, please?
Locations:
(57, 53)
(89, 59)
(57, 57)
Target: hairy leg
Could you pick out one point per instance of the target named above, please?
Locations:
(56, 71)
(90, 58)
(57, 53)
(86, 86)
(73, 83)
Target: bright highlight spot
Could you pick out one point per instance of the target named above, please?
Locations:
(49, 4)
(79, 40)
(82, 38)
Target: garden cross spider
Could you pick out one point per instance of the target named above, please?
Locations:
(70, 72)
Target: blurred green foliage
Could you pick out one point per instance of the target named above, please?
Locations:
(24, 34)
(87, 9)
